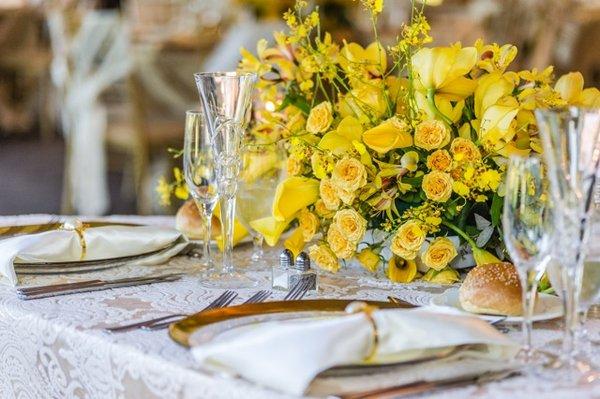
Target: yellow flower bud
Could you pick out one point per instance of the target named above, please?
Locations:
(368, 259)
(483, 257)
(445, 276)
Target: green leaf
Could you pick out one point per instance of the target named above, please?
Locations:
(293, 98)
(496, 209)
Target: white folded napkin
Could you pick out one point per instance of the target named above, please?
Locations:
(288, 355)
(64, 246)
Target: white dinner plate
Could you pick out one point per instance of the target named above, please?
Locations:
(547, 306)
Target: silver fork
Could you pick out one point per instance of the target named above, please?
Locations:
(222, 300)
(260, 296)
(298, 291)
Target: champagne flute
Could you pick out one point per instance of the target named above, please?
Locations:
(227, 101)
(262, 170)
(527, 225)
(200, 173)
(571, 151)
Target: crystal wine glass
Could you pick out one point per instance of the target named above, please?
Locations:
(227, 102)
(527, 225)
(262, 170)
(570, 140)
(200, 173)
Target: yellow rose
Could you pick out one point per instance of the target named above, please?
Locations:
(464, 150)
(439, 253)
(439, 160)
(368, 259)
(329, 194)
(322, 210)
(397, 247)
(309, 224)
(324, 257)
(294, 194)
(339, 244)
(437, 186)
(294, 166)
(320, 118)
(410, 235)
(347, 197)
(351, 224)
(349, 174)
(401, 270)
(431, 134)
(391, 134)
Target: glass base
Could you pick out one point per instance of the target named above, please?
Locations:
(231, 281)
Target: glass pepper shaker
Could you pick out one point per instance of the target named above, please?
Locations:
(280, 271)
(301, 270)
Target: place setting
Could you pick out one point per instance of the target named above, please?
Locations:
(350, 220)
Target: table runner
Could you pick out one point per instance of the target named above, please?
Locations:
(53, 347)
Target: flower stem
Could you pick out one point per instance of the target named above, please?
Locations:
(431, 101)
(461, 233)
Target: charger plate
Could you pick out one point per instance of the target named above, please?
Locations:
(181, 331)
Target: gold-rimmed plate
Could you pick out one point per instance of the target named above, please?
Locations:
(181, 331)
(11, 231)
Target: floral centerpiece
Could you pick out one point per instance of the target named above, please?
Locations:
(407, 141)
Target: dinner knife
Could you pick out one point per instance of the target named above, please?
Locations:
(91, 285)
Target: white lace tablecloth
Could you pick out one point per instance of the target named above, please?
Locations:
(54, 348)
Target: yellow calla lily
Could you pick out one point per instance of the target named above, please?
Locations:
(340, 140)
(294, 194)
(483, 257)
(443, 70)
(295, 242)
(400, 270)
(390, 134)
(590, 97)
(239, 231)
(362, 102)
(270, 228)
(450, 109)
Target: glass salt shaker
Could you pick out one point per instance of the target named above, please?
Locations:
(301, 270)
(280, 271)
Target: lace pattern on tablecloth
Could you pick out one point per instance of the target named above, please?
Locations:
(54, 348)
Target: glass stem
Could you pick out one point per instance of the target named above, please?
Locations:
(257, 251)
(570, 305)
(529, 288)
(206, 211)
(227, 220)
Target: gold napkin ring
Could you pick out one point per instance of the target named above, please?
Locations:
(78, 227)
(358, 307)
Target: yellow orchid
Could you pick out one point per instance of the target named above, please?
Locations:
(491, 88)
(570, 87)
(400, 270)
(369, 259)
(370, 62)
(442, 70)
(294, 194)
(340, 141)
(496, 121)
(452, 110)
(493, 57)
(364, 102)
(388, 135)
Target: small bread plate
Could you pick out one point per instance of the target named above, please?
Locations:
(547, 307)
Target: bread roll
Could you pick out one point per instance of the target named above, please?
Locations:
(492, 289)
(189, 222)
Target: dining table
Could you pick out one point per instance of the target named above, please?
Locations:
(55, 347)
